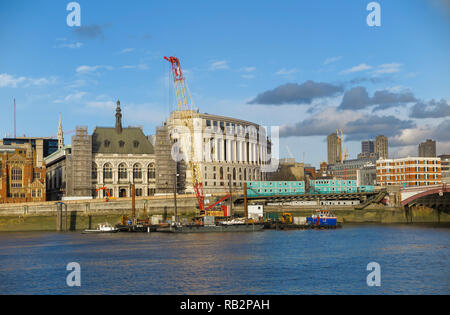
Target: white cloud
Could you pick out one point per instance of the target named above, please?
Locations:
(76, 84)
(90, 69)
(399, 89)
(287, 71)
(411, 136)
(331, 60)
(101, 104)
(385, 68)
(126, 50)
(72, 97)
(219, 65)
(248, 76)
(139, 67)
(388, 68)
(248, 69)
(8, 80)
(358, 68)
(407, 143)
(70, 45)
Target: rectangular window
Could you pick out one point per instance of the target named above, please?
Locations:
(16, 177)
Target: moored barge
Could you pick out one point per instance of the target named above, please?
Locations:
(197, 228)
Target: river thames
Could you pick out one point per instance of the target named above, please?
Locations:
(413, 260)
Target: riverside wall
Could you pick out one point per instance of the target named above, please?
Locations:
(83, 214)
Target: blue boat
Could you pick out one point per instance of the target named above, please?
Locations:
(322, 218)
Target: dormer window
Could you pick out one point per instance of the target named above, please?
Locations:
(136, 144)
(121, 143)
(107, 143)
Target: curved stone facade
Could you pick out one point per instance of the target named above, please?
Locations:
(230, 150)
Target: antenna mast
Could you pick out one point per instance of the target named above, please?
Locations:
(14, 118)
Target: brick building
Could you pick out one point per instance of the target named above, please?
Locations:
(22, 179)
(411, 171)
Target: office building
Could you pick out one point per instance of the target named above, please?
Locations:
(333, 149)
(427, 148)
(382, 147)
(411, 171)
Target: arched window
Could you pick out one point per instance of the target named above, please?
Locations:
(221, 173)
(94, 171)
(151, 171)
(137, 171)
(123, 171)
(16, 177)
(107, 171)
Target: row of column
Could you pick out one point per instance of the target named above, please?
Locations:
(236, 151)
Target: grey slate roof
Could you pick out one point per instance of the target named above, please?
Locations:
(129, 136)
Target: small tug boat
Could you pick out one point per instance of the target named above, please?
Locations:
(102, 228)
(322, 218)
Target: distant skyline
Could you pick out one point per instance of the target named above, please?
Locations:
(310, 67)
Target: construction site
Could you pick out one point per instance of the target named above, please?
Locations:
(199, 166)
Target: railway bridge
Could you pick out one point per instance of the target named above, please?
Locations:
(363, 198)
(434, 196)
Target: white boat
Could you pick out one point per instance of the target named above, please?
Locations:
(102, 228)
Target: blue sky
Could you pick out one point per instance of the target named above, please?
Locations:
(307, 66)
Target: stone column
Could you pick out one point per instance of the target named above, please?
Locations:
(216, 149)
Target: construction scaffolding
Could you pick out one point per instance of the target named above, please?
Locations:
(81, 164)
(166, 166)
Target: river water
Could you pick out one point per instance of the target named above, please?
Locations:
(413, 260)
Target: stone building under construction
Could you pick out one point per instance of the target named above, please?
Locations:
(108, 162)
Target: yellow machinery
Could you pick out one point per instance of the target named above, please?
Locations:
(341, 146)
(286, 217)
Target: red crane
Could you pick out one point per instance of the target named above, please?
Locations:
(188, 113)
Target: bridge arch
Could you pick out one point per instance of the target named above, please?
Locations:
(425, 193)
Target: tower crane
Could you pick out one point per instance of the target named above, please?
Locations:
(188, 112)
(341, 146)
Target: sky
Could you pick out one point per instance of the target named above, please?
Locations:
(308, 67)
